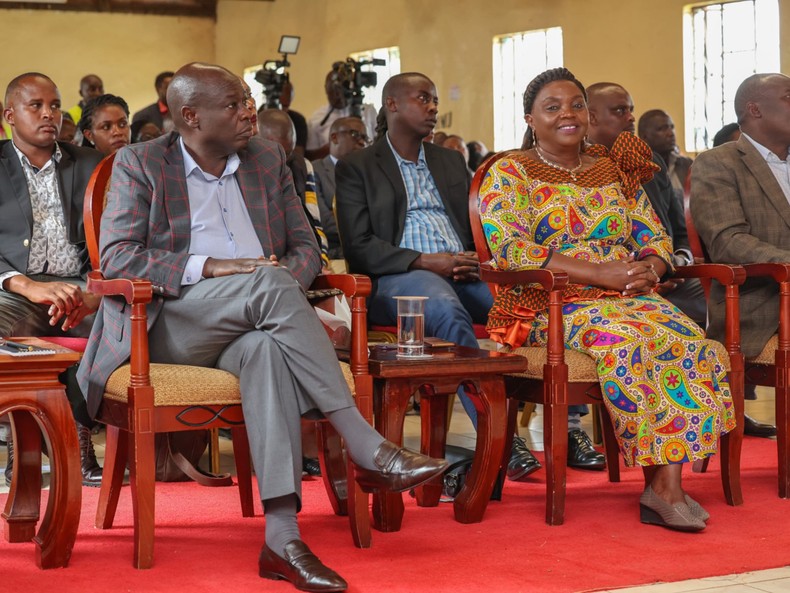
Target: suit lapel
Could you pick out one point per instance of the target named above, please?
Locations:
(66, 188)
(765, 177)
(16, 176)
(253, 190)
(177, 196)
(389, 166)
(441, 178)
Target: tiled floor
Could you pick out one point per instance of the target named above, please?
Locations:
(462, 434)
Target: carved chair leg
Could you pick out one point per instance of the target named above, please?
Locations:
(241, 455)
(333, 466)
(143, 472)
(610, 447)
(116, 454)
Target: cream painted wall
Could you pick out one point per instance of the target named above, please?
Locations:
(638, 44)
(126, 51)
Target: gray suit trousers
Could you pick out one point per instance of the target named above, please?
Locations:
(261, 328)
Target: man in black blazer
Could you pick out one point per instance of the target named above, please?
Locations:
(42, 239)
(346, 135)
(402, 214)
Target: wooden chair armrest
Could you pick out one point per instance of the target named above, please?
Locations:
(550, 280)
(777, 271)
(134, 291)
(351, 284)
(725, 274)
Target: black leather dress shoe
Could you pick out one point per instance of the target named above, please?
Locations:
(753, 428)
(311, 467)
(9, 464)
(397, 469)
(522, 462)
(581, 453)
(301, 567)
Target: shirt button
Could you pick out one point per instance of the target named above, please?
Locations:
(26, 243)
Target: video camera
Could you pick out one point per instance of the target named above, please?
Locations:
(273, 75)
(353, 80)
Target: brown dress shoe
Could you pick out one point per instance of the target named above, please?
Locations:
(301, 567)
(397, 469)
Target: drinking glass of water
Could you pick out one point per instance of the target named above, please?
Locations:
(411, 326)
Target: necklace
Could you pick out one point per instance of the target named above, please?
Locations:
(545, 161)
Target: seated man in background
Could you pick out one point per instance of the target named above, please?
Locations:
(276, 126)
(158, 113)
(229, 293)
(42, 240)
(402, 213)
(611, 113)
(90, 86)
(658, 130)
(739, 202)
(347, 135)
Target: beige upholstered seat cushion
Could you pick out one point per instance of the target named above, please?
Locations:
(183, 385)
(768, 355)
(581, 368)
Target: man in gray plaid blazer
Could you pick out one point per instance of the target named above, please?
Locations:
(740, 203)
(210, 216)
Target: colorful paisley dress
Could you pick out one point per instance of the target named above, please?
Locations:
(665, 390)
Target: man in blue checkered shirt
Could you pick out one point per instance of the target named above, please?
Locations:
(402, 208)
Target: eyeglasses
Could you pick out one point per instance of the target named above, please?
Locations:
(355, 135)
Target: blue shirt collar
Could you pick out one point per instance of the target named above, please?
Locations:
(401, 161)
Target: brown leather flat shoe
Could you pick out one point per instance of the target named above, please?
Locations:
(397, 469)
(301, 567)
(655, 511)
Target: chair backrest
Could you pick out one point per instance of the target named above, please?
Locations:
(481, 243)
(698, 249)
(95, 199)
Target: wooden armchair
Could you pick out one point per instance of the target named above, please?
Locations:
(144, 398)
(557, 377)
(771, 367)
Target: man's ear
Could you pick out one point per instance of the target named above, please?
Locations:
(8, 115)
(754, 109)
(391, 104)
(190, 117)
(593, 117)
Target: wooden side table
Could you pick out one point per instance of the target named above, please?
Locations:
(30, 390)
(481, 372)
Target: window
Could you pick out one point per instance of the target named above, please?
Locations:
(255, 86)
(723, 44)
(518, 58)
(391, 67)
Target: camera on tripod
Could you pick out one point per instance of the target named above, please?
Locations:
(273, 74)
(350, 76)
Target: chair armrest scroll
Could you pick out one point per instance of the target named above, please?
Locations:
(134, 291)
(725, 274)
(777, 271)
(550, 280)
(351, 284)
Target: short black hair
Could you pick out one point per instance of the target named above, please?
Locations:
(160, 78)
(17, 82)
(724, 134)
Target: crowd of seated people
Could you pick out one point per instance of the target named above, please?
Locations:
(395, 209)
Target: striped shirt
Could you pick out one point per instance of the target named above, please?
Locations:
(428, 228)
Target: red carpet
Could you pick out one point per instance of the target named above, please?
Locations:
(203, 543)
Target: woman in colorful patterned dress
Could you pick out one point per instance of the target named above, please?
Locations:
(561, 204)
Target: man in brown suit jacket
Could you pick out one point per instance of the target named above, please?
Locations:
(740, 203)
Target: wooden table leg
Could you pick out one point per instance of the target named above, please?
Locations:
(58, 530)
(392, 397)
(489, 400)
(24, 500)
(433, 438)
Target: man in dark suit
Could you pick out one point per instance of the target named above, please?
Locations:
(42, 240)
(229, 293)
(611, 113)
(402, 213)
(158, 113)
(346, 135)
